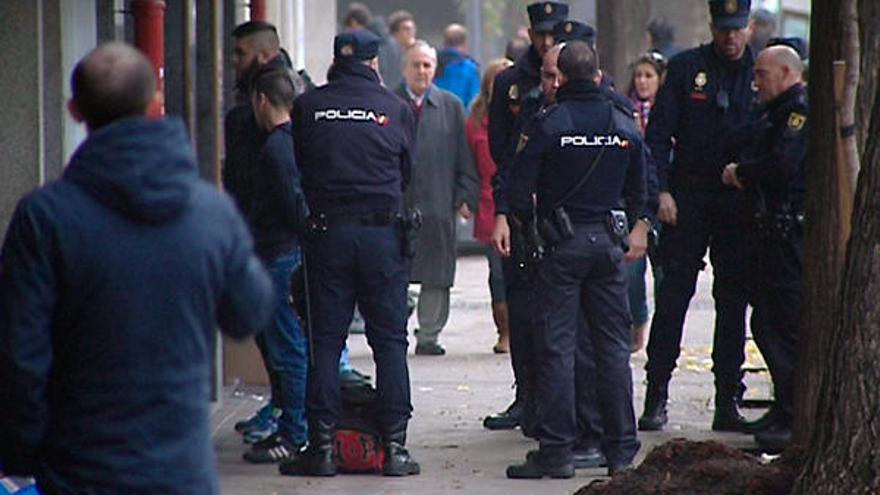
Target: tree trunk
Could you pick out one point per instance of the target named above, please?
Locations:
(827, 221)
(843, 449)
(621, 26)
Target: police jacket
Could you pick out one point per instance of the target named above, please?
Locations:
(111, 282)
(772, 168)
(583, 131)
(530, 105)
(705, 96)
(354, 141)
(511, 86)
(279, 209)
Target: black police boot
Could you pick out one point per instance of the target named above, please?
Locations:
(317, 460)
(587, 458)
(534, 468)
(654, 418)
(763, 423)
(397, 459)
(727, 416)
(774, 439)
(507, 419)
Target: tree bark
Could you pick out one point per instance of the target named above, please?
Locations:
(621, 27)
(826, 226)
(843, 449)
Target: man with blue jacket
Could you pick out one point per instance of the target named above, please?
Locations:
(457, 72)
(111, 283)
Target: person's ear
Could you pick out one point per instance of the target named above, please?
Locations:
(75, 112)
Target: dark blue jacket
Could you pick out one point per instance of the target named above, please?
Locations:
(703, 99)
(458, 74)
(354, 142)
(772, 166)
(562, 144)
(278, 211)
(510, 87)
(112, 281)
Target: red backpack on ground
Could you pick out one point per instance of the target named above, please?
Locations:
(357, 444)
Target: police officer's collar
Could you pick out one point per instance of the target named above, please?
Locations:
(530, 62)
(794, 92)
(348, 68)
(746, 60)
(577, 90)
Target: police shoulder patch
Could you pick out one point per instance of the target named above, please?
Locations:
(796, 121)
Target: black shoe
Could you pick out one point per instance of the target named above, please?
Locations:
(654, 418)
(616, 469)
(506, 420)
(581, 459)
(398, 462)
(774, 439)
(430, 349)
(533, 469)
(588, 458)
(317, 459)
(353, 376)
(271, 450)
(728, 418)
(763, 423)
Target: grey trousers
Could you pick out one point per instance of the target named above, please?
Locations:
(433, 312)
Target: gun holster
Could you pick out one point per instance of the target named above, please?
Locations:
(409, 224)
(555, 228)
(618, 228)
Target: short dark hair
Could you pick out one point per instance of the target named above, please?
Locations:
(516, 48)
(359, 13)
(397, 18)
(661, 31)
(276, 84)
(577, 61)
(250, 28)
(112, 82)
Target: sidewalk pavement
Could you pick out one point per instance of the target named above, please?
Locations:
(453, 393)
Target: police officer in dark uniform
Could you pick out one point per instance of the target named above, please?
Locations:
(582, 158)
(707, 94)
(510, 86)
(772, 173)
(353, 142)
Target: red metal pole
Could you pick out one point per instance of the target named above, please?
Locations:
(149, 37)
(258, 10)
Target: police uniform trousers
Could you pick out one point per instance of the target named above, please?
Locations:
(716, 219)
(581, 289)
(355, 263)
(521, 301)
(775, 292)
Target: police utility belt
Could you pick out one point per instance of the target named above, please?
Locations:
(407, 222)
(548, 230)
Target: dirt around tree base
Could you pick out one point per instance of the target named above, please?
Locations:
(681, 467)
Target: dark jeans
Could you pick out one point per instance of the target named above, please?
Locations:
(285, 352)
(353, 263)
(775, 290)
(583, 280)
(520, 306)
(715, 220)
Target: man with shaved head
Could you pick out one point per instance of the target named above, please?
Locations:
(771, 171)
(112, 279)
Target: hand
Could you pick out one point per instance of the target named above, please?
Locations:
(465, 212)
(668, 211)
(638, 241)
(729, 177)
(501, 236)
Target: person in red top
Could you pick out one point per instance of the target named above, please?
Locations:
(477, 129)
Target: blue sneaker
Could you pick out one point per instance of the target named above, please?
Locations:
(256, 436)
(259, 421)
